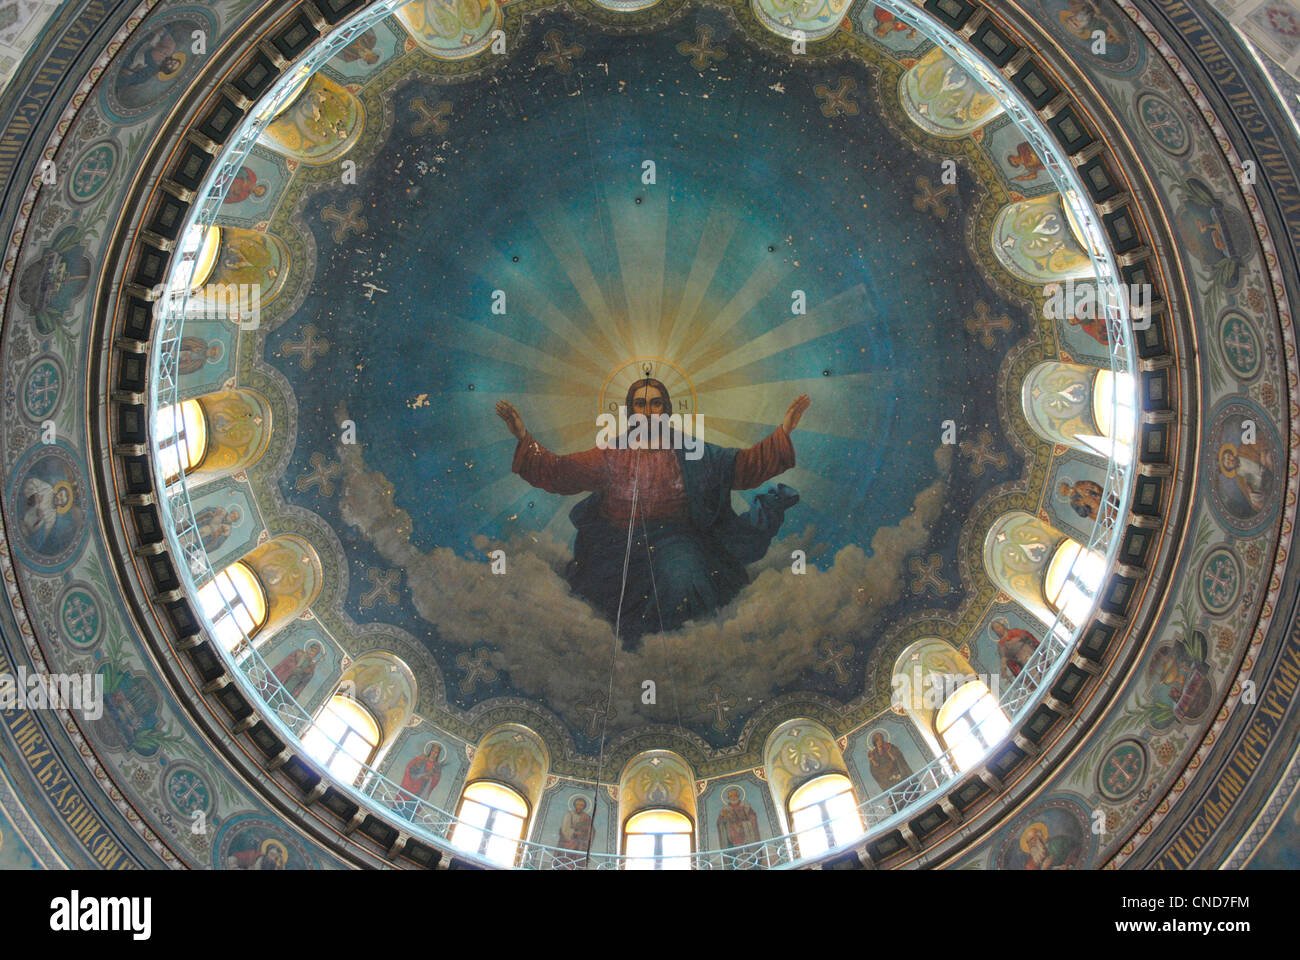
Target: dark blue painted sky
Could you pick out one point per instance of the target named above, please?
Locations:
(825, 203)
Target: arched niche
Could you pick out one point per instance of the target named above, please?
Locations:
(943, 99)
(1079, 406)
(1045, 571)
(1056, 398)
(514, 755)
(800, 20)
(796, 752)
(289, 571)
(625, 6)
(451, 29)
(1039, 242)
(926, 674)
(253, 597)
(384, 683)
(656, 780)
(247, 273)
(213, 435)
(320, 124)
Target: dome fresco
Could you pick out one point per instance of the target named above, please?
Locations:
(319, 354)
(759, 264)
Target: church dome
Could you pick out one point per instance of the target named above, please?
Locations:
(653, 435)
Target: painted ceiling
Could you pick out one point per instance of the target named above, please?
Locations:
(762, 196)
(772, 174)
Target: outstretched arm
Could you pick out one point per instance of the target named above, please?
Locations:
(772, 455)
(572, 473)
(794, 413)
(514, 422)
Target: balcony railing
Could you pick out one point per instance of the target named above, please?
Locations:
(425, 820)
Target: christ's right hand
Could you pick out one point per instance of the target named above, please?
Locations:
(514, 422)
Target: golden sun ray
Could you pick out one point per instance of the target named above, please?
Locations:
(543, 367)
(641, 240)
(718, 231)
(767, 402)
(530, 301)
(567, 249)
(835, 314)
(759, 284)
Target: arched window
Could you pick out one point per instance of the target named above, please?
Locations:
(824, 814)
(343, 738)
(969, 722)
(1114, 411)
(657, 811)
(1048, 573)
(198, 253)
(490, 821)
(658, 840)
(1079, 406)
(1073, 577)
(181, 433)
(236, 603)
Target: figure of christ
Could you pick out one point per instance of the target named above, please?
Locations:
(688, 548)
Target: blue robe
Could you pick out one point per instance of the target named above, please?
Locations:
(677, 570)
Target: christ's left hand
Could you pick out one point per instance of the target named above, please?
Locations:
(795, 411)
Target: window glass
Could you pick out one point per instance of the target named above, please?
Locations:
(236, 604)
(824, 814)
(181, 435)
(1073, 577)
(491, 822)
(343, 738)
(658, 840)
(969, 722)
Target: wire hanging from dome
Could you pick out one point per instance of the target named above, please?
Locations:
(613, 655)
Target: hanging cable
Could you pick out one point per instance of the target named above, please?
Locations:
(668, 668)
(613, 655)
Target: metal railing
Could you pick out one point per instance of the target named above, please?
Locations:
(417, 815)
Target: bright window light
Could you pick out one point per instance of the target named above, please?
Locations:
(198, 256)
(1074, 576)
(824, 814)
(658, 840)
(343, 738)
(236, 604)
(490, 822)
(970, 722)
(181, 435)
(1113, 405)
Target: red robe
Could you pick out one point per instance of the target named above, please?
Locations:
(686, 556)
(660, 492)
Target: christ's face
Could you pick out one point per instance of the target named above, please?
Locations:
(648, 401)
